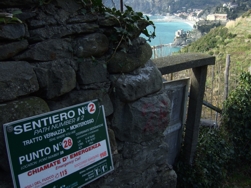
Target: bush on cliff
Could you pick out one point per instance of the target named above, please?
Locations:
(223, 150)
(211, 161)
(237, 119)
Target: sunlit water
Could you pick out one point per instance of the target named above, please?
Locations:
(166, 26)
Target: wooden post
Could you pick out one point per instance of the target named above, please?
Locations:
(198, 81)
(226, 76)
(198, 63)
(212, 89)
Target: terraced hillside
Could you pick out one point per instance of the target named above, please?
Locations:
(233, 39)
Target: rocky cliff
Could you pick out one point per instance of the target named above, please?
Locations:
(186, 38)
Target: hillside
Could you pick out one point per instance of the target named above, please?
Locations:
(165, 6)
(233, 39)
(171, 6)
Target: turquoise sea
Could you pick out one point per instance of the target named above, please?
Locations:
(166, 26)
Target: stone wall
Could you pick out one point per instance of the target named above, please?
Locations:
(56, 56)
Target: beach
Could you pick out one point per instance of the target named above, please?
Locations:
(187, 21)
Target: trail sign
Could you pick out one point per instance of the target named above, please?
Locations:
(63, 148)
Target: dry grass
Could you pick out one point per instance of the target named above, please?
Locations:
(233, 23)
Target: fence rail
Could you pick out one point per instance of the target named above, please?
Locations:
(212, 107)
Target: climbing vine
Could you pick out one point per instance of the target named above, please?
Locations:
(128, 22)
(7, 18)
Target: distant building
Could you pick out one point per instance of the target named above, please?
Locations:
(230, 5)
(233, 6)
(213, 17)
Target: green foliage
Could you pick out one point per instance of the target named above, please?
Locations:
(232, 14)
(246, 14)
(220, 151)
(237, 118)
(216, 37)
(8, 18)
(129, 22)
(93, 6)
(234, 136)
(211, 162)
(206, 26)
(232, 40)
(211, 53)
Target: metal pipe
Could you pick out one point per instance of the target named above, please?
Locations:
(121, 5)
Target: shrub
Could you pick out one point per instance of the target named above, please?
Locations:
(129, 22)
(216, 52)
(211, 53)
(237, 118)
(211, 162)
(221, 150)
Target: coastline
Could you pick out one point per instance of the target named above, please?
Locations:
(167, 26)
(171, 18)
(189, 22)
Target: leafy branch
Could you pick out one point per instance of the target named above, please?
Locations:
(130, 23)
(7, 18)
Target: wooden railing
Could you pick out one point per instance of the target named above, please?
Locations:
(198, 63)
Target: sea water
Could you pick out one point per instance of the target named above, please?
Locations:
(166, 26)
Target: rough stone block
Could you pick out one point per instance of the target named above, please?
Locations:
(17, 78)
(143, 165)
(41, 20)
(83, 18)
(80, 96)
(139, 83)
(5, 179)
(12, 31)
(61, 31)
(48, 50)
(141, 120)
(92, 72)
(107, 21)
(11, 49)
(13, 3)
(95, 44)
(137, 55)
(16, 110)
(55, 78)
(69, 6)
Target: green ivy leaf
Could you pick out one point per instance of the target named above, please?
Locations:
(17, 12)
